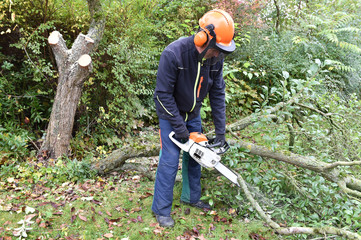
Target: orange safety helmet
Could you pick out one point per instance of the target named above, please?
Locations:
(216, 26)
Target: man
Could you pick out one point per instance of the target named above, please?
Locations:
(189, 69)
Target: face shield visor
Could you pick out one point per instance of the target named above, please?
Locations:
(223, 51)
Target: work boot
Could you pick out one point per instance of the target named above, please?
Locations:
(163, 221)
(200, 204)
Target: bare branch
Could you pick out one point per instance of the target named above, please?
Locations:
(337, 164)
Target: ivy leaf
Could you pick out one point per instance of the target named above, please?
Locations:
(285, 74)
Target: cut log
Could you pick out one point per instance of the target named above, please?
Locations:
(84, 61)
(54, 38)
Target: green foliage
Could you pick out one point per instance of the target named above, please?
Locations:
(63, 170)
(119, 94)
(240, 95)
(13, 144)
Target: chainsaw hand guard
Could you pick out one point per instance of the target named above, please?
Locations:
(216, 147)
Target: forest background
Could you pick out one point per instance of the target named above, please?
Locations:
(308, 50)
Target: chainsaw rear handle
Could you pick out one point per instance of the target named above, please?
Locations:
(184, 146)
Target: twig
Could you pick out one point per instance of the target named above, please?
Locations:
(33, 143)
(325, 237)
(326, 115)
(336, 164)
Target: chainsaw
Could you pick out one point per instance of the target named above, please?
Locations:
(206, 153)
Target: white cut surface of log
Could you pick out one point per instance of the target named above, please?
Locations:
(54, 38)
(89, 40)
(84, 60)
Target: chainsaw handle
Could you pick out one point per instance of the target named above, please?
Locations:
(184, 146)
(217, 146)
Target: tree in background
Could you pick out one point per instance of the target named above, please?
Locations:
(74, 66)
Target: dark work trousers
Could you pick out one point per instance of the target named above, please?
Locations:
(168, 167)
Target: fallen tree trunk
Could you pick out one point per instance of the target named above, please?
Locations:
(348, 184)
(118, 158)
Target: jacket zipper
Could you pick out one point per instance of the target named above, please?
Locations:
(195, 87)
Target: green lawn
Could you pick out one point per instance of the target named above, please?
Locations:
(115, 207)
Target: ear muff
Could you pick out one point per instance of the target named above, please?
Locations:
(201, 38)
(204, 35)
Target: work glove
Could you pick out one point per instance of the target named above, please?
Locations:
(182, 137)
(220, 139)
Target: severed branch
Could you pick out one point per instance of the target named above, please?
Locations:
(293, 230)
(349, 185)
(59, 48)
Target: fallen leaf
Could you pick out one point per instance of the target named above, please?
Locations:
(87, 198)
(153, 224)
(187, 211)
(133, 220)
(157, 230)
(83, 218)
(113, 221)
(140, 219)
(232, 212)
(255, 236)
(137, 209)
(96, 202)
(212, 227)
(29, 210)
(42, 225)
(73, 218)
(10, 180)
(213, 212)
(147, 194)
(54, 205)
(201, 237)
(195, 230)
(108, 235)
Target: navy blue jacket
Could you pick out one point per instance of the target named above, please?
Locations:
(183, 83)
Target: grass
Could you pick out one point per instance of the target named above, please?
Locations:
(115, 207)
